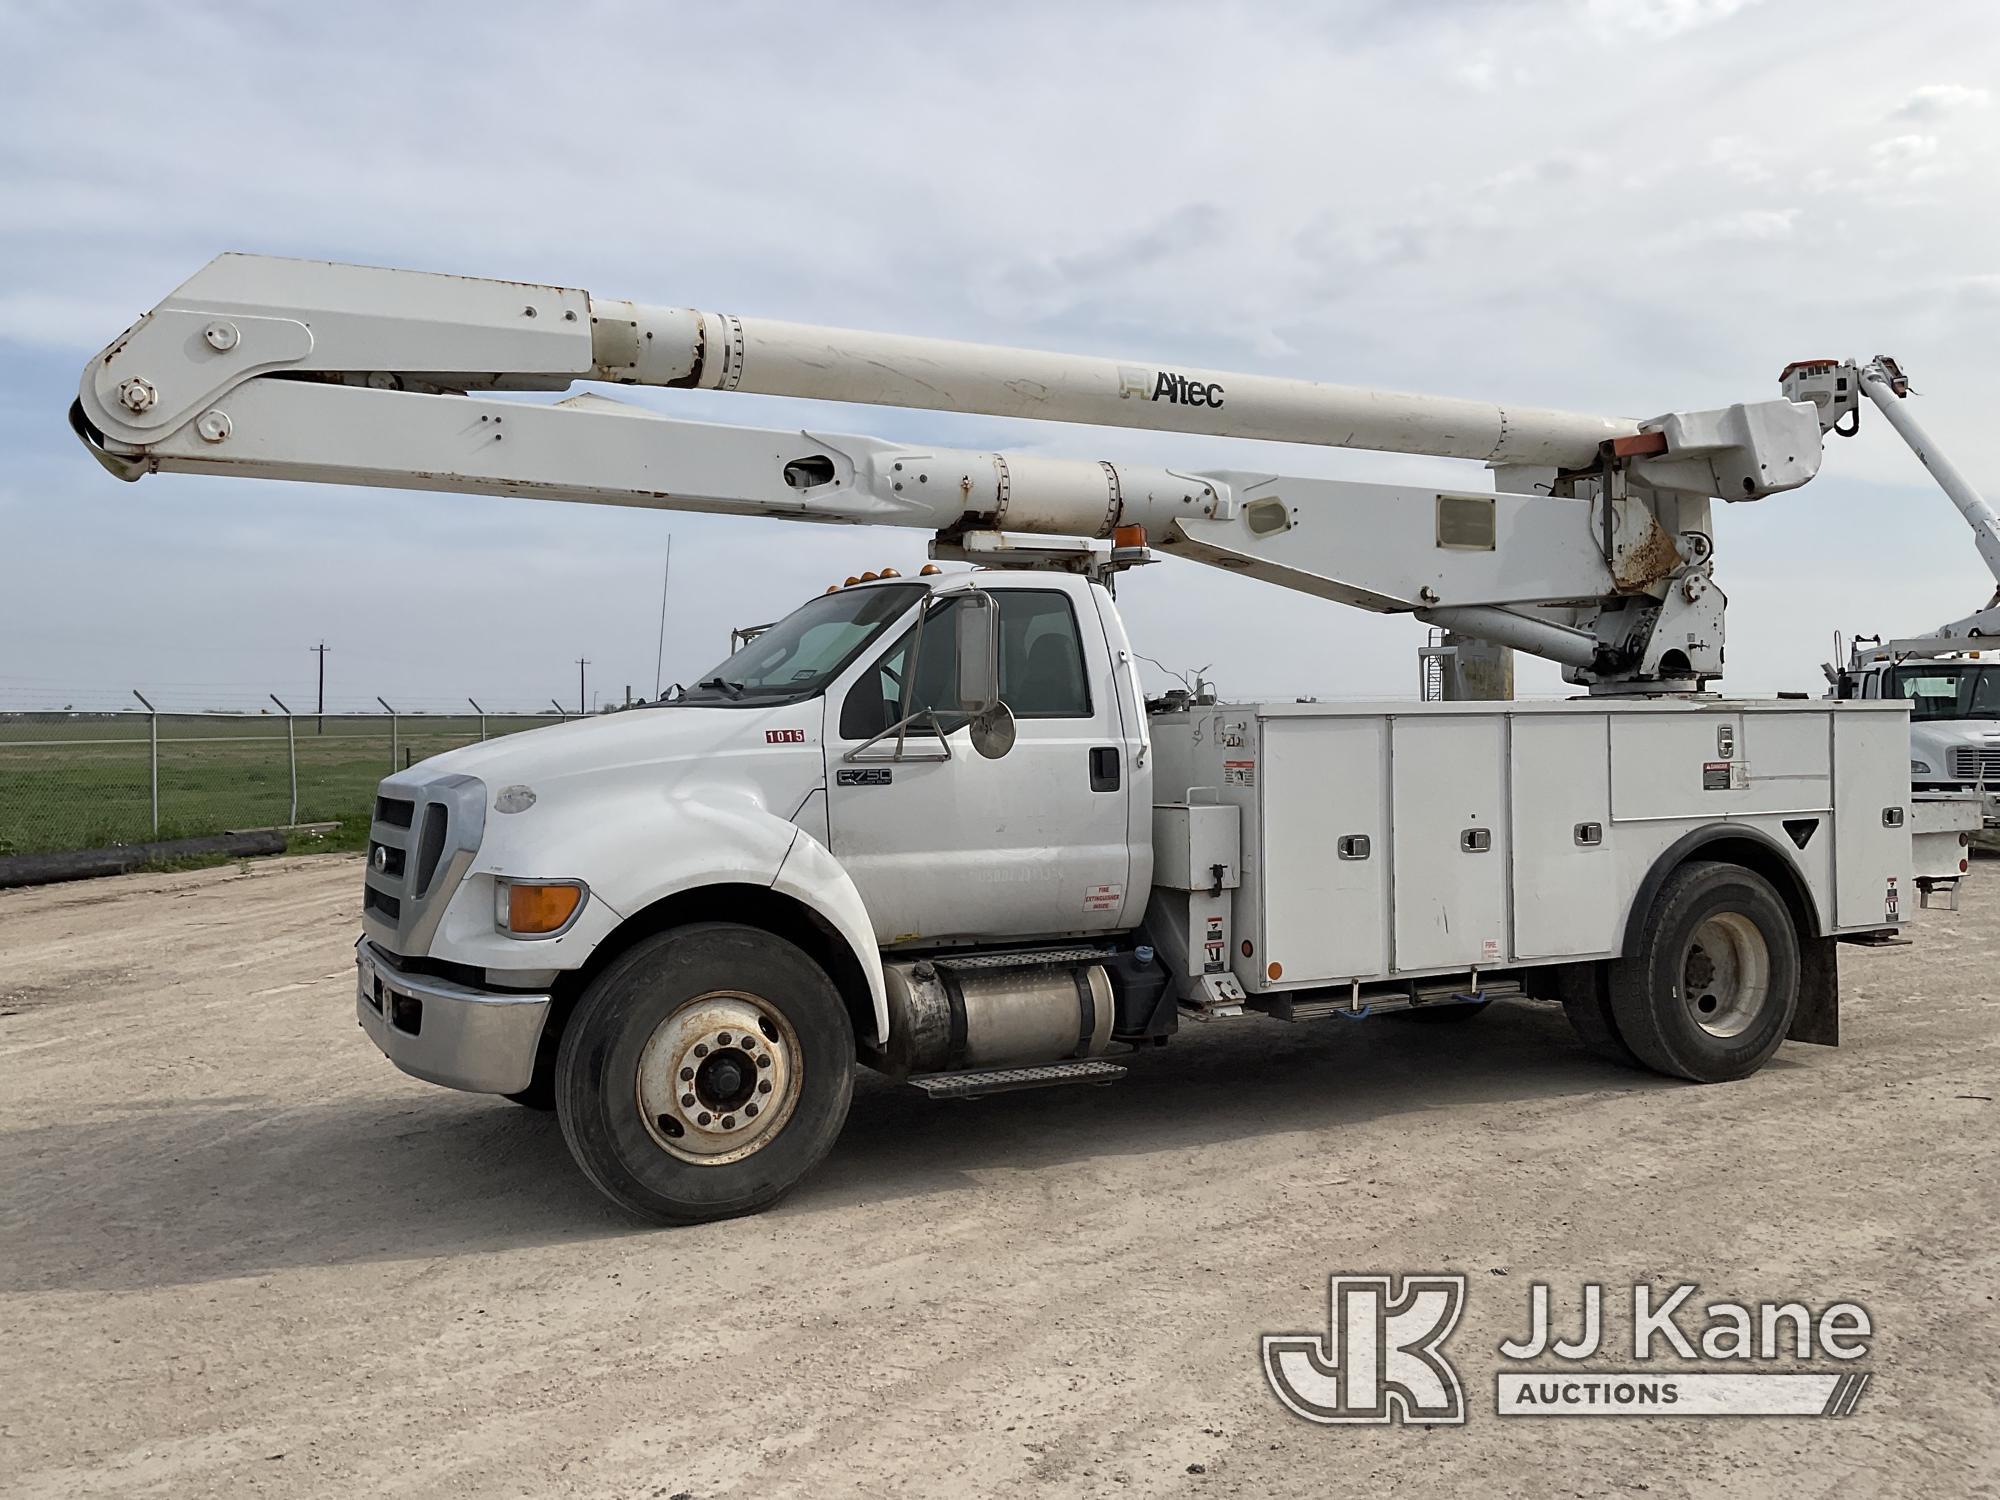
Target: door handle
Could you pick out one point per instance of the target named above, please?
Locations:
(1104, 768)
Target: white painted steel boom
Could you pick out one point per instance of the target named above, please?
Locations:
(716, 351)
(1834, 387)
(1596, 550)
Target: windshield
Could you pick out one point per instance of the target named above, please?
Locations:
(1949, 690)
(797, 657)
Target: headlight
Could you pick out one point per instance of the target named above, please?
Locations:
(1921, 768)
(536, 908)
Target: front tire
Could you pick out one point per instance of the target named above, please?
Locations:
(704, 1073)
(1709, 991)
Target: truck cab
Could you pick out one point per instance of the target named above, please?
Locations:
(1954, 698)
(837, 782)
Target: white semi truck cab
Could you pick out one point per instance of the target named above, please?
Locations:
(930, 824)
(1953, 688)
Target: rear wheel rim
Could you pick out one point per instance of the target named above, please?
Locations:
(1726, 974)
(719, 1078)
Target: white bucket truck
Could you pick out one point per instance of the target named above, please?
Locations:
(931, 824)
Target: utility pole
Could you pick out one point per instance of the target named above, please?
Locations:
(319, 718)
(582, 707)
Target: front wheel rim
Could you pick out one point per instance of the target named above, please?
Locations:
(719, 1078)
(1726, 974)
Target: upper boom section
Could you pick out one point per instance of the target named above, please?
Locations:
(246, 315)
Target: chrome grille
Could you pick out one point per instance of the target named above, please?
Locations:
(430, 844)
(419, 848)
(1971, 763)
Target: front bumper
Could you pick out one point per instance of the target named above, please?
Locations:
(464, 1038)
(1989, 799)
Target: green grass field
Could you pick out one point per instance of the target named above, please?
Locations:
(72, 781)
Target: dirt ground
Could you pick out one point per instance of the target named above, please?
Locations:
(240, 1254)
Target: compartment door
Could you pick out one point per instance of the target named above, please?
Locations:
(1452, 840)
(1567, 900)
(1325, 877)
(1871, 856)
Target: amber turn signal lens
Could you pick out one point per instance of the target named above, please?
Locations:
(536, 909)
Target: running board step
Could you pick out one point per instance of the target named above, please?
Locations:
(1006, 1080)
(1887, 938)
(1311, 1008)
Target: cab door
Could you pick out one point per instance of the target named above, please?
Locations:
(954, 846)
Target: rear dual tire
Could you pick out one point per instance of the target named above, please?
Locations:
(1709, 989)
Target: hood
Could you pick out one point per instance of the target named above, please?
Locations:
(1984, 733)
(772, 757)
(605, 741)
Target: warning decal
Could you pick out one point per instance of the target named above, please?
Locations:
(1239, 773)
(1103, 897)
(1725, 775)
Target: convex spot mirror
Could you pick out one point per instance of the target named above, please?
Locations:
(992, 732)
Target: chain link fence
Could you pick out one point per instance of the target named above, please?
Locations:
(86, 780)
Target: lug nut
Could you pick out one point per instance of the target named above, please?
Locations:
(722, 1039)
(763, 1060)
(702, 1118)
(750, 1110)
(729, 1122)
(763, 1085)
(687, 1101)
(687, 1075)
(701, 1049)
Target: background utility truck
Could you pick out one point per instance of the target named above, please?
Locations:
(1952, 687)
(931, 823)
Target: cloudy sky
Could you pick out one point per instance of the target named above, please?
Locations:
(1621, 206)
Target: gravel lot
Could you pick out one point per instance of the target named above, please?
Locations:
(241, 1254)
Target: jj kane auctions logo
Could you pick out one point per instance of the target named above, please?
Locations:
(1382, 1358)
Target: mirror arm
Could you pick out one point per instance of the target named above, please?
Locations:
(900, 729)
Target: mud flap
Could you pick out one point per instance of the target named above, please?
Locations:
(1817, 1018)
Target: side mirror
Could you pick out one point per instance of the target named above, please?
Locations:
(992, 732)
(978, 652)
